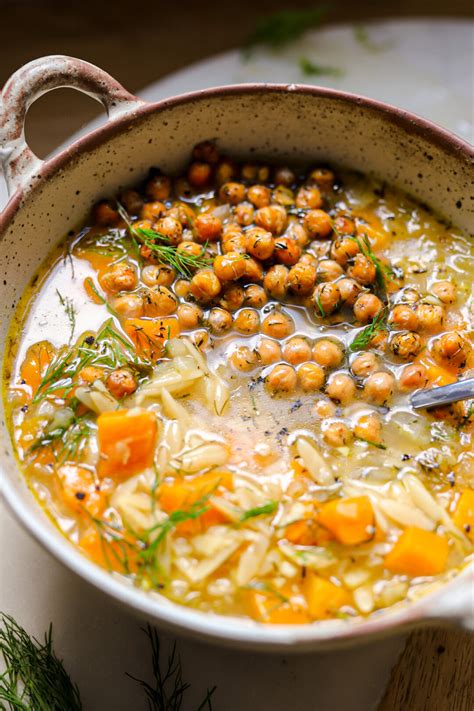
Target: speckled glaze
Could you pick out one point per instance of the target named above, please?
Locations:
(279, 123)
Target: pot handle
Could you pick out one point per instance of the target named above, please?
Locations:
(20, 164)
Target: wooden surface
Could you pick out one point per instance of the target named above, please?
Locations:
(139, 42)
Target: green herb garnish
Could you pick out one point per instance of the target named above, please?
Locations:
(309, 68)
(68, 306)
(363, 338)
(318, 303)
(98, 295)
(363, 38)
(67, 442)
(34, 678)
(383, 272)
(373, 444)
(281, 28)
(269, 508)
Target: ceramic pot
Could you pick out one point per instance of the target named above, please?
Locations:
(279, 123)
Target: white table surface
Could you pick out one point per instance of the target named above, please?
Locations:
(423, 68)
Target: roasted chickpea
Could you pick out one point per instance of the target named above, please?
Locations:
(309, 197)
(206, 151)
(402, 317)
(272, 218)
(226, 170)
(232, 297)
(324, 408)
(379, 387)
(243, 359)
(255, 296)
(234, 241)
(297, 350)
(413, 376)
(301, 278)
(283, 196)
(132, 202)
(405, 344)
(297, 232)
(365, 364)
(182, 288)
(90, 374)
(260, 243)
(129, 305)
(341, 388)
(326, 298)
(253, 270)
(451, 349)
(349, 290)
(343, 225)
(318, 224)
(207, 227)
(158, 187)
(199, 174)
(323, 178)
(344, 249)
(362, 269)
(281, 379)
(259, 195)
(232, 193)
(328, 353)
(287, 251)
(247, 322)
(120, 277)
(171, 228)
(219, 320)
(445, 291)
(205, 285)
(192, 248)
(336, 434)
(379, 340)
(284, 176)
(275, 281)
(159, 301)
(105, 214)
(182, 212)
(201, 339)
(230, 266)
(158, 275)
(430, 317)
(320, 250)
(367, 307)
(268, 351)
(120, 383)
(308, 258)
(152, 211)
(311, 377)
(329, 270)
(369, 428)
(244, 213)
(277, 325)
(189, 316)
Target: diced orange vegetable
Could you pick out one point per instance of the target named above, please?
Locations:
(110, 554)
(127, 441)
(183, 493)
(464, 514)
(351, 521)
(307, 532)
(418, 552)
(33, 368)
(323, 597)
(149, 336)
(270, 608)
(437, 374)
(79, 490)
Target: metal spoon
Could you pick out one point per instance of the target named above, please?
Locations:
(430, 397)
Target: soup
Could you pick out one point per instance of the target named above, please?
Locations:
(211, 391)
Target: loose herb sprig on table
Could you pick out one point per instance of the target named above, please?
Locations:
(35, 678)
(310, 68)
(281, 28)
(161, 248)
(363, 338)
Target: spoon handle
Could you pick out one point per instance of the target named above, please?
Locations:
(461, 390)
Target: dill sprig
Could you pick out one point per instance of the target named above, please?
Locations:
(310, 68)
(382, 271)
(167, 691)
(68, 306)
(34, 678)
(281, 28)
(268, 508)
(317, 300)
(379, 445)
(362, 36)
(363, 338)
(67, 442)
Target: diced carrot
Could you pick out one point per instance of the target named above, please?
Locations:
(127, 441)
(418, 552)
(149, 336)
(350, 520)
(463, 516)
(323, 597)
(79, 490)
(436, 374)
(115, 555)
(182, 494)
(307, 532)
(271, 608)
(37, 359)
(298, 468)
